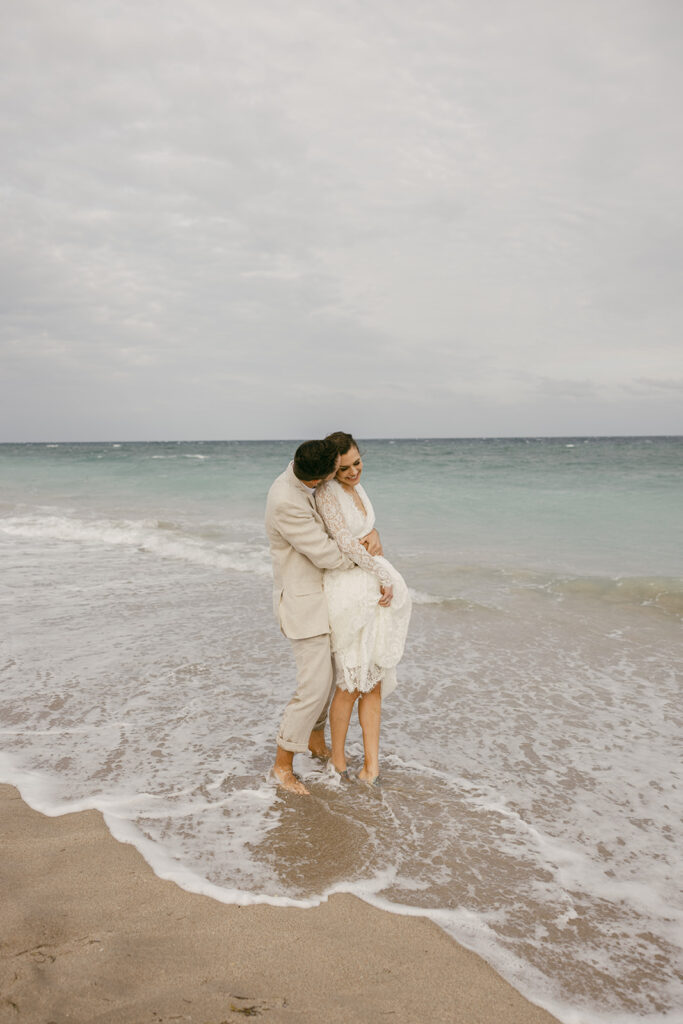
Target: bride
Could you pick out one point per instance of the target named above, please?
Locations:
(369, 608)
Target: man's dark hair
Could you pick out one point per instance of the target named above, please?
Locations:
(314, 460)
(342, 442)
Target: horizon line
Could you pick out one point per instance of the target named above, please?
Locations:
(407, 437)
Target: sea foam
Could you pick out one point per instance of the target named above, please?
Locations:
(163, 539)
(530, 803)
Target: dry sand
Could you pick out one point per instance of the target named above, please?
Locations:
(90, 935)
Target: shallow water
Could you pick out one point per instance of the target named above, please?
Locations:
(530, 756)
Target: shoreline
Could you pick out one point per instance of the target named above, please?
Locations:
(92, 934)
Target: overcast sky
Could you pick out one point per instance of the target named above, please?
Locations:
(246, 219)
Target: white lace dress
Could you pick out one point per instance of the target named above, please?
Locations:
(367, 640)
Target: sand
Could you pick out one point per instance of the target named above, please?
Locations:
(90, 934)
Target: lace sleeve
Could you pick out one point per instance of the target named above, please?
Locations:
(329, 508)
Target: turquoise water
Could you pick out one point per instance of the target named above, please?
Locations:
(610, 506)
(531, 800)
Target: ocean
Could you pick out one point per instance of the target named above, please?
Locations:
(531, 754)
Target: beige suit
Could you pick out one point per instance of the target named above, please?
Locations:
(301, 549)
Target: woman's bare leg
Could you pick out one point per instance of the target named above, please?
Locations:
(340, 716)
(369, 716)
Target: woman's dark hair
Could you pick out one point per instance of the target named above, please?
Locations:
(314, 460)
(342, 442)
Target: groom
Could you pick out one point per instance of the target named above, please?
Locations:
(301, 549)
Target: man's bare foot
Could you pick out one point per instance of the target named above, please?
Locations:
(286, 778)
(320, 750)
(317, 746)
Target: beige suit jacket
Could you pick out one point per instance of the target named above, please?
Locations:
(300, 548)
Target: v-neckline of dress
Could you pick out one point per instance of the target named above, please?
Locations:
(359, 507)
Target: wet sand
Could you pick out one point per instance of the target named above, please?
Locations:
(91, 936)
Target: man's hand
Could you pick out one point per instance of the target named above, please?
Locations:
(372, 543)
(387, 596)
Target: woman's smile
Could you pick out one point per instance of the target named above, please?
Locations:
(350, 468)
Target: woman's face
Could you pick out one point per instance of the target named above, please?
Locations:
(350, 468)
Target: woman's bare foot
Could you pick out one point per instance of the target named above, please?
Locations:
(370, 778)
(286, 779)
(339, 774)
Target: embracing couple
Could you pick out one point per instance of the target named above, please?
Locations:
(341, 604)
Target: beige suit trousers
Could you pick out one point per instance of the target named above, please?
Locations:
(307, 710)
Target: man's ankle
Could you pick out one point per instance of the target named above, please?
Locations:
(284, 760)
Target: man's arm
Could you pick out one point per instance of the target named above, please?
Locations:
(307, 535)
(372, 543)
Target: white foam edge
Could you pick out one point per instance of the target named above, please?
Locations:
(570, 865)
(166, 867)
(471, 931)
(465, 927)
(144, 535)
(34, 790)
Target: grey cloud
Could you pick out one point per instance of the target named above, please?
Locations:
(573, 389)
(665, 385)
(226, 209)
